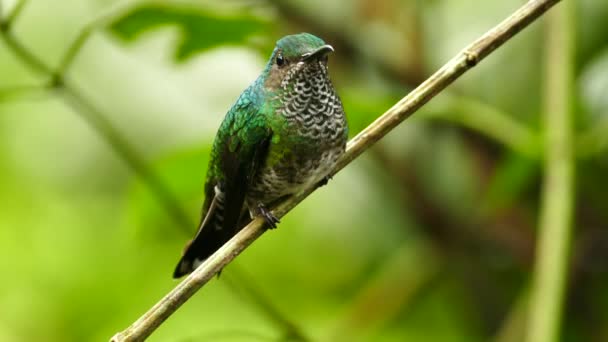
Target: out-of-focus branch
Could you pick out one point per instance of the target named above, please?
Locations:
(490, 122)
(22, 91)
(23, 53)
(85, 33)
(74, 98)
(557, 201)
(458, 65)
(14, 14)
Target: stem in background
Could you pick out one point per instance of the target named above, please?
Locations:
(458, 65)
(85, 33)
(94, 117)
(557, 202)
(23, 53)
(14, 14)
(489, 121)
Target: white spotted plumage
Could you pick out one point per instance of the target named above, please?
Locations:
(315, 116)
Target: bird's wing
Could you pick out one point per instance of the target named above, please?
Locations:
(240, 147)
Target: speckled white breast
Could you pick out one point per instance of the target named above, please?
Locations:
(314, 114)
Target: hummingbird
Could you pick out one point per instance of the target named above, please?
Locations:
(285, 132)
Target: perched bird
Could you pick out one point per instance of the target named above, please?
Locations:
(284, 133)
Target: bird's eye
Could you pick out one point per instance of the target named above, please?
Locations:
(280, 60)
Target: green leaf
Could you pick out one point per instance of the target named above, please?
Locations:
(201, 29)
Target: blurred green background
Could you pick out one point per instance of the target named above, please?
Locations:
(429, 236)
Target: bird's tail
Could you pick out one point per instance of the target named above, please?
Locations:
(211, 235)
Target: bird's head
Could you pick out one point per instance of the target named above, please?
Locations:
(296, 56)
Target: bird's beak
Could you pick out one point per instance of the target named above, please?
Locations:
(323, 50)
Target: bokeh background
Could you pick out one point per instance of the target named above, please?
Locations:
(429, 236)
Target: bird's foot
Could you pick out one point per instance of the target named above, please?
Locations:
(270, 219)
(324, 180)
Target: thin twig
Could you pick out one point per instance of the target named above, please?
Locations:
(85, 33)
(465, 60)
(25, 54)
(557, 199)
(14, 14)
(98, 121)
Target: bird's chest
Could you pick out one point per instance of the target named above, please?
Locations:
(305, 147)
(291, 170)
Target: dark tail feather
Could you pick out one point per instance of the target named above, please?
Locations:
(220, 223)
(210, 237)
(196, 251)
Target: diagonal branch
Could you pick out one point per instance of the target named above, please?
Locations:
(14, 14)
(458, 65)
(24, 53)
(86, 32)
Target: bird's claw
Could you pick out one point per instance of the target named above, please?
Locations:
(325, 180)
(270, 219)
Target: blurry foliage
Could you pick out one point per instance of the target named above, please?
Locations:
(363, 107)
(182, 173)
(429, 236)
(514, 175)
(200, 28)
